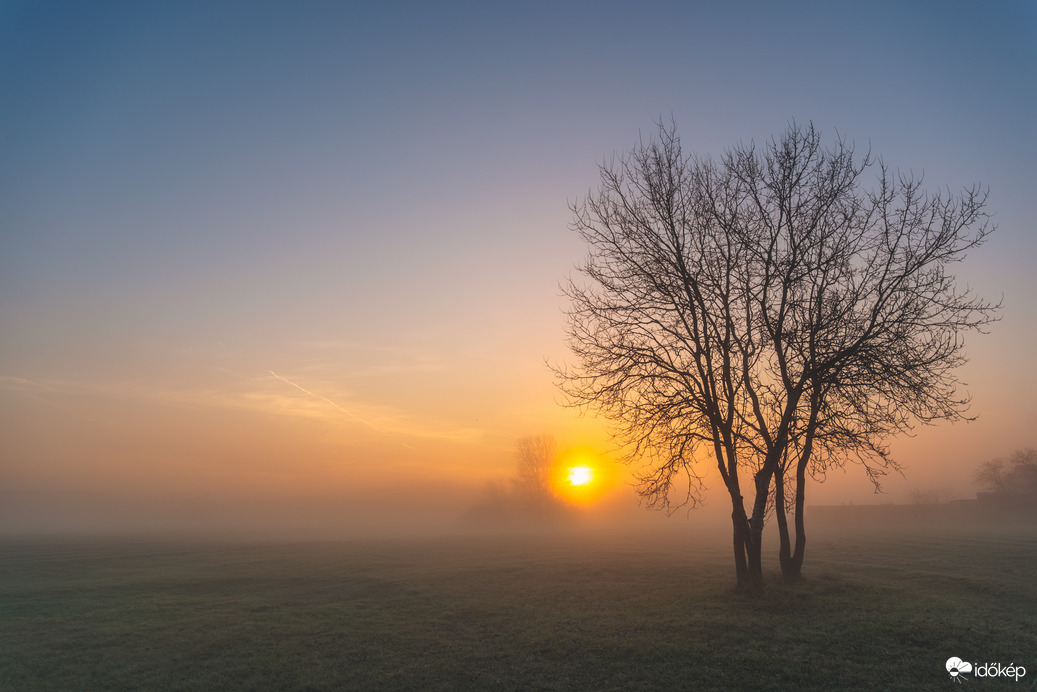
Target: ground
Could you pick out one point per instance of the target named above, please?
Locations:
(555, 611)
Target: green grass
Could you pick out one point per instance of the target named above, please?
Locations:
(572, 611)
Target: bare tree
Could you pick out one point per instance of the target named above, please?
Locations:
(494, 505)
(924, 496)
(533, 476)
(1016, 474)
(526, 495)
(992, 475)
(768, 312)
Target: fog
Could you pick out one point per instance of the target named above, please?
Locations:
(431, 509)
(118, 463)
(123, 463)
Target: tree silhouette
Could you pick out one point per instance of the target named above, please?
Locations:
(766, 311)
(992, 476)
(1016, 475)
(533, 474)
(527, 495)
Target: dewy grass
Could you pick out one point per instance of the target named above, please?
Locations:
(570, 611)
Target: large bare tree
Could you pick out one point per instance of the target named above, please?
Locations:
(770, 312)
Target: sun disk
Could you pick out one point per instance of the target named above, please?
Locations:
(581, 475)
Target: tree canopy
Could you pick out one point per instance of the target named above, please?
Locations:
(768, 311)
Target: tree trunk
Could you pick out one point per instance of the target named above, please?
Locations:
(754, 544)
(740, 535)
(739, 521)
(753, 548)
(785, 545)
(796, 563)
(795, 569)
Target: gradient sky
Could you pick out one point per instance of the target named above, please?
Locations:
(281, 255)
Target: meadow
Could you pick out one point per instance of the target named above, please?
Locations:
(879, 610)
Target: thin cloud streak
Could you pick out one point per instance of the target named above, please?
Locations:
(241, 394)
(328, 401)
(337, 406)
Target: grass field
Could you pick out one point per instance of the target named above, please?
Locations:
(878, 611)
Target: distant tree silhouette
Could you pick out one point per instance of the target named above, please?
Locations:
(1016, 475)
(533, 475)
(494, 506)
(765, 310)
(924, 496)
(527, 495)
(992, 476)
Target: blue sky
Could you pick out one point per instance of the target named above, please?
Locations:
(371, 202)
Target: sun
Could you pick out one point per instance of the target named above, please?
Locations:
(581, 475)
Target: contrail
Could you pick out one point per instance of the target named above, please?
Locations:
(336, 405)
(328, 401)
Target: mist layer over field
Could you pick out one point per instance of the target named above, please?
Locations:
(573, 609)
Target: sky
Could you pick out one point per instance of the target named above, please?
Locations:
(300, 262)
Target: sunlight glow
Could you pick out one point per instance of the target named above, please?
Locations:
(581, 475)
